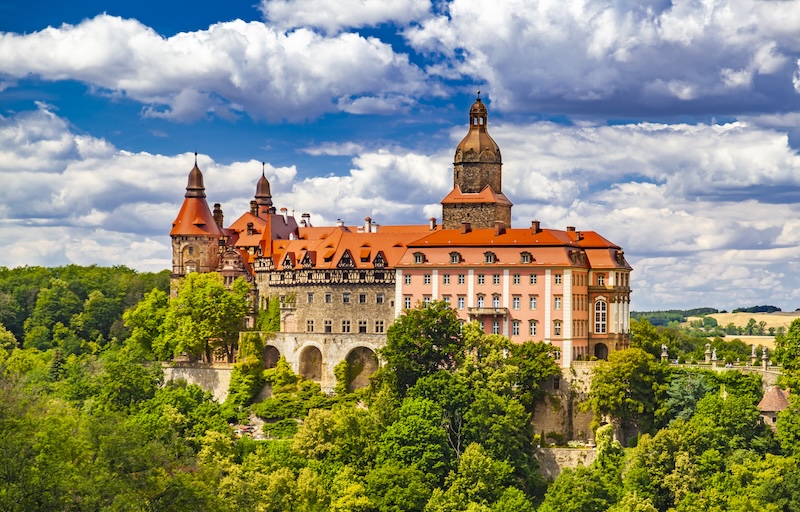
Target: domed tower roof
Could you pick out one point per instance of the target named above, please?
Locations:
(477, 146)
(195, 187)
(263, 193)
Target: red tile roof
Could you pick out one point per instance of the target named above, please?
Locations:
(487, 195)
(195, 218)
(775, 400)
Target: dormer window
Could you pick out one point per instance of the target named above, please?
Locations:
(455, 258)
(419, 258)
(489, 257)
(525, 257)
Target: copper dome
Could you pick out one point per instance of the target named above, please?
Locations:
(478, 145)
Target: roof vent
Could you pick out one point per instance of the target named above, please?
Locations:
(339, 223)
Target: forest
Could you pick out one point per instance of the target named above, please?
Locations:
(87, 423)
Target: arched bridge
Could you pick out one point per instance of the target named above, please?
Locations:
(315, 355)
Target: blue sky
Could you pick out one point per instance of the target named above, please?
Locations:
(670, 128)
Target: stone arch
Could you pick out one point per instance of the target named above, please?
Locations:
(361, 364)
(601, 351)
(311, 363)
(271, 356)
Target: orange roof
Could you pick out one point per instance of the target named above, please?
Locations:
(487, 195)
(195, 218)
(547, 247)
(775, 400)
(332, 244)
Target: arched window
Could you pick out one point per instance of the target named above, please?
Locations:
(600, 316)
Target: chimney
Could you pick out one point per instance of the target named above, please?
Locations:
(339, 223)
(218, 217)
(367, 224)
(570, 229)
(465, 227)
(535, 227)
(249, 228)
(285, 213)
(580, 235)
(433, 223)
(254, 208)
(499, 227)
(306, 219)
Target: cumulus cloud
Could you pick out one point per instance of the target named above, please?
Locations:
(229, 69)
(620, 57)
(335, 15)
(670, 195)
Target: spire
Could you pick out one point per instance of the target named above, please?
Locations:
(263, 193)
(195, 187)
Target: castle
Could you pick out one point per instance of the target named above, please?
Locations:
(340, 286)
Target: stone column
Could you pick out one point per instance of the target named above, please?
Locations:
(708, 353)
(764, 359)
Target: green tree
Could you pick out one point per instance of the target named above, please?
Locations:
(147, 324)
(420, 342)
(627, 389)
(53, 305)
(207, 317)
(397, 488)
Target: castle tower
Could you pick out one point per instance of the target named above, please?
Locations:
(477, 196)
(263, 194)
(196, 234)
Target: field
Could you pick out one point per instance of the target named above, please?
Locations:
(780, 319)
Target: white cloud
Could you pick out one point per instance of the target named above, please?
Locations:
(701, 210)
(659, 56)
(230, 68)
(335, 15)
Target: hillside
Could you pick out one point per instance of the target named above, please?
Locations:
(779, 319)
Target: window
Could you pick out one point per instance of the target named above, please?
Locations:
(362, 298)
(515, 328)
(379, 298)
(600, 316)
(557, 328)
(460, 278)
(345, 325)
(515, 302)
(557, 303)
(557, 278)
(481, 278)
(495, 301)
(446, 279)
(489, 257)
(190, 250)
(426, 300)
(191, 267)
(426, 279)
(328, 326)
(379, 326)
(407, 279)
(526, 257)
(533, 279)
(407, 302)
(419, 257)
(328, 298)
(455, 258)
(461, 303)
(310, 298)
(480, 301)
(446, 299)
(495, 327)
(532, 328)
(309, 326)
(601, 280)
(362, 326)
(496, 279)
(533, 302)
(346, 298)
(516, 278)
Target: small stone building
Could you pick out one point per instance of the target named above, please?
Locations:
(775, 400)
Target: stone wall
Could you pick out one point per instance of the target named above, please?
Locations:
(554, 460)
(214, 378)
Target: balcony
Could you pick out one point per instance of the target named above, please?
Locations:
(477, 312)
